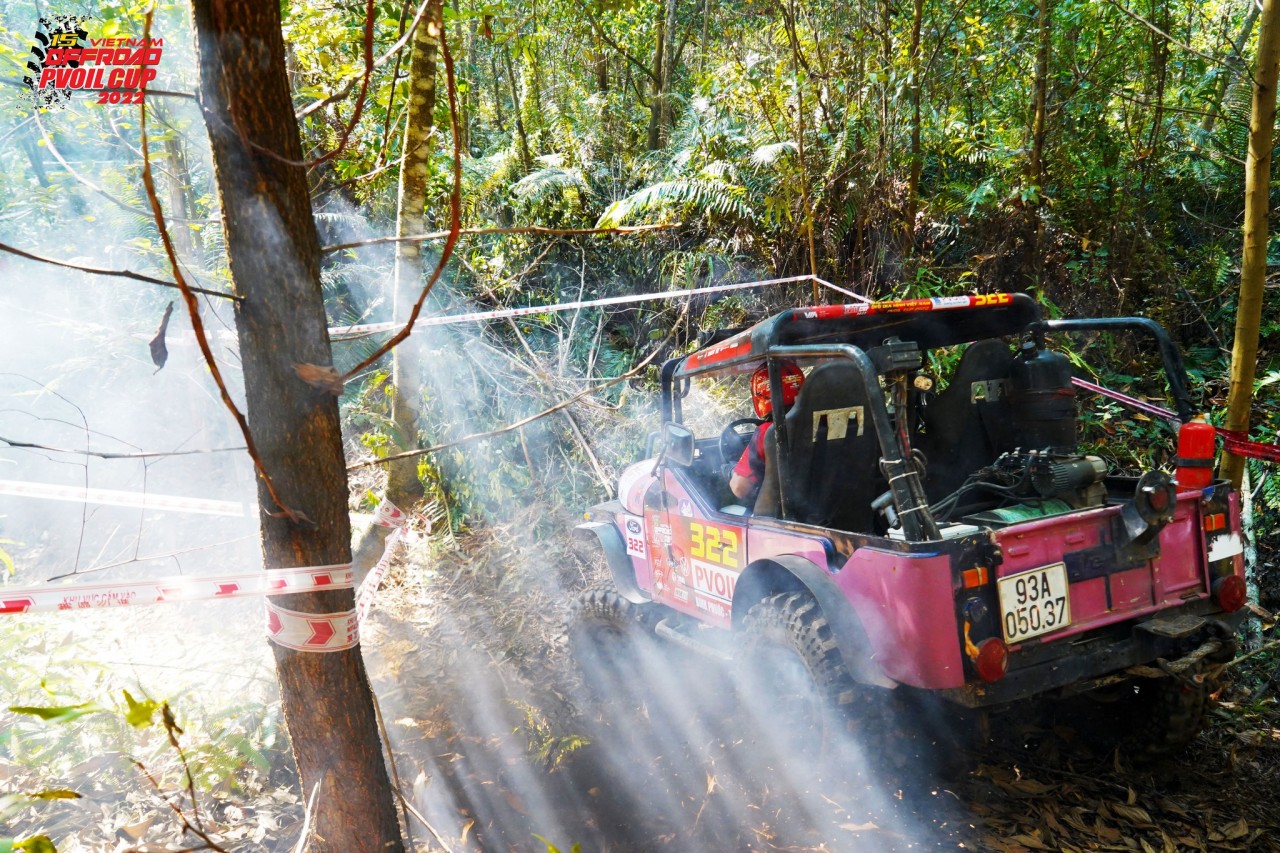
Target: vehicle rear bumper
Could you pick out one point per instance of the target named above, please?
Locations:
(1096, 660)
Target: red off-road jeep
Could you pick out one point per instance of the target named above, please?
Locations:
(954, 542)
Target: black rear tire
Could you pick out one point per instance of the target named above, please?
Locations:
(1164, 715)
(794, 678)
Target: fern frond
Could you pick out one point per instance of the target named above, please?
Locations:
(767, 155)
(536, 186)
(704, 196)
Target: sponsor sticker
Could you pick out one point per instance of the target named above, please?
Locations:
(714, 581)
(633, 532)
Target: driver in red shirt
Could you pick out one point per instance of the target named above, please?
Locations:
(749, 472)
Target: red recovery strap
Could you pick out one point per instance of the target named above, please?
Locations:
(1233, 441)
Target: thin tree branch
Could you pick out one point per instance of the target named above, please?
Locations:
(391, 96)
(193, 306)
(171, 728)
(394, 50)
(1170, 39)
(148, 558)
(124, 205)
(395, 771)
(117, 273)
(355, 114)
(563, 404)
(13, 442)
(455, 215)
(524, 229)
(604, 37)
(1082, 75)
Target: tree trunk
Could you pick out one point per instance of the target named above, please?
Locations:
(1159, 79)
(1228, 74)
(187, 242)
(886, 69)
(1035, 164)
(1034, 222)
(498, 97)
(403, 485)
(522, 137)
(274, 256)
(1253, 265)
(658, 94)
(670, 58)
(917, 156)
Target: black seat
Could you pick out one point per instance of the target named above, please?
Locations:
(829, 468)
(970, 423)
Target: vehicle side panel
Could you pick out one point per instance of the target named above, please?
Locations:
(764, 542)
(907, 605)
(698, 558)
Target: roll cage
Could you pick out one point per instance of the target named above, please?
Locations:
(883, 338)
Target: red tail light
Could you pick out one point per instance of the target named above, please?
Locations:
(1230, 592)
(1195, 454)
(993, 659)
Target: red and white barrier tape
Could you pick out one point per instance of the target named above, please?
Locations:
(113, 497)
(369, 586)
(1233, 441)
(312, 632)
(39, 599)
(344, 332)
(386, 515)
(305, 632)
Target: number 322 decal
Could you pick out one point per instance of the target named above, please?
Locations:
(713, 544)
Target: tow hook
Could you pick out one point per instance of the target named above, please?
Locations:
(1184, 669)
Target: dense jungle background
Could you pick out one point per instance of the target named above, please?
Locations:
(1089, 152)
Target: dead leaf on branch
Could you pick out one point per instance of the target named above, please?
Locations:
(324, 377)
(159, 351)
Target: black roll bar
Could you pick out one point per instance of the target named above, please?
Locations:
(1169, 353)
(909, 499)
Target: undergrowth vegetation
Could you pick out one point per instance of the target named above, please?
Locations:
(891, 149)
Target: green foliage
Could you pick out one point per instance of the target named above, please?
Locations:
(140, 715)
(551, 848)
(703, 196)
(545, 744)
(5, 559)
(57, 714)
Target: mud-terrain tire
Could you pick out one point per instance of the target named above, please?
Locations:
(794, 680)
(1164, 715)
(606, 635)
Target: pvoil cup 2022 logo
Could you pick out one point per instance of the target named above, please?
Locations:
(66, 59)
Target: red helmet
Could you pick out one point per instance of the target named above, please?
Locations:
(792, 381)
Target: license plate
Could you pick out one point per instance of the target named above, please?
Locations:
(1035, 602)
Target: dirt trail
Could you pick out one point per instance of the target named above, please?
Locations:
(491, 730)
